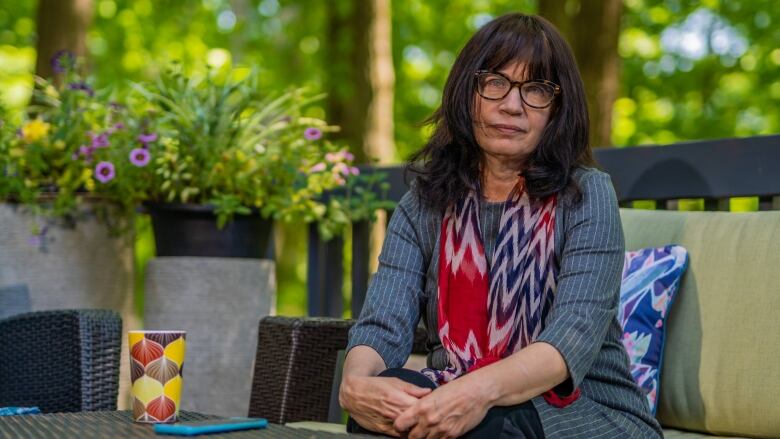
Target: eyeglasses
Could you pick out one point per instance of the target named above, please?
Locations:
(536, 93)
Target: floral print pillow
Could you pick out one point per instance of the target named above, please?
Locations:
(651, 278)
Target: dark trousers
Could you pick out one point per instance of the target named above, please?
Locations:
(516, 421)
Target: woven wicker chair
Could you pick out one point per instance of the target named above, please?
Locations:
(295, 364)
(60, 361)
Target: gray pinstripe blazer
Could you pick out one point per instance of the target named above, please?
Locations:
(582, 323)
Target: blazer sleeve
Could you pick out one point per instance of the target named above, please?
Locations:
(392, 309)
(588, 289)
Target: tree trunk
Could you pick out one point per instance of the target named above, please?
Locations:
(360, 80)
(62, 25)
(592, 28)
(379, 142)
(359, 77)
(347, 82)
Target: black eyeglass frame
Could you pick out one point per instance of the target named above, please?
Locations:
(519, 85)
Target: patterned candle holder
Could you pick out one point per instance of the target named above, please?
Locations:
(156, 360)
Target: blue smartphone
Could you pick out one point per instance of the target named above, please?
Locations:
(192, 428)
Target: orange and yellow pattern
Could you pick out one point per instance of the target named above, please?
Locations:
(156, 360)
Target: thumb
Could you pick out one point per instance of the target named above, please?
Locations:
(417, 392)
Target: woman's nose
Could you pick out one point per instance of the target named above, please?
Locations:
(512, 102)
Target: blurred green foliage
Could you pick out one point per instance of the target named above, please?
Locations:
(697, 69)
(690, 69)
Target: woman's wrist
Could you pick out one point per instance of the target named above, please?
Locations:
(346, 389)
(362, 361)
(487, 386)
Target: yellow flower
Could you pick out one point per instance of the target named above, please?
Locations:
(35, 130)
(86, 177)
(59, 145)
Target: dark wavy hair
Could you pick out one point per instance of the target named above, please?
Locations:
(449, 164)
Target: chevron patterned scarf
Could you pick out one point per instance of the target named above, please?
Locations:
(488, 313)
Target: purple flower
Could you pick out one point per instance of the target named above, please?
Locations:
(83, 86)
(140, 157)
(312, 134)
(341, 168)
(118, 126)
(105, 172)
(319, 167)
(100, 140)
(86, 151)
(354, 171)
(147, 138)
(62, 61)
(348, 155)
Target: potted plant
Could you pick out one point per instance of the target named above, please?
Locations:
(215, 159)
(223, 159)
(58, 235)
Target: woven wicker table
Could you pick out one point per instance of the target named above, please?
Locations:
(88, 425)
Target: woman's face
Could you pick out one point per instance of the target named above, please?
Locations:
(508, 129)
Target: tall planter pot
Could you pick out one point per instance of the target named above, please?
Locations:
(219, 302)
(75, 264)
(212, 283)
(191, 230)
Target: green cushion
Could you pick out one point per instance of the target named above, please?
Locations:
(679, 434)
(721, 365)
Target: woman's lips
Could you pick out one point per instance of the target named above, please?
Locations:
(507, 129)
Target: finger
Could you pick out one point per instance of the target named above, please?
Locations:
(406, 420)
(443, 433)
(388, 430)
(395, 404)
(417, 392)
(376, 425)
(437, 433)
(418, 432)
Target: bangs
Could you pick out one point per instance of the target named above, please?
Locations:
(520, 41)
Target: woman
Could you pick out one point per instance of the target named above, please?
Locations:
(510, 248)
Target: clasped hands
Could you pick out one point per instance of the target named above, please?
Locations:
(396, 408)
